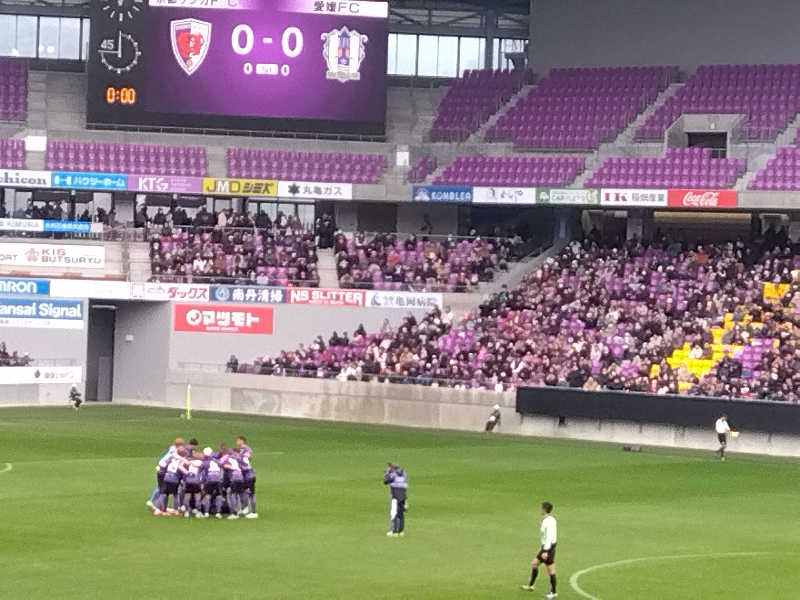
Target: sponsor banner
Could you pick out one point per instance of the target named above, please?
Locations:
(90, 181)
(167, 184)
(221, 186)
(52, 255)
(11, 286)
(315, 191)
(19, 178)
(29, 375)
(248, 294)
(381, 299)
(88, 288)
(622, 197)
(163, 292)
(503, 195)
(51, 226)
(326, 297)
(701, 198)
(567, 197)
(441, 193)
(223, 318)
(41, 314)
(34, 225)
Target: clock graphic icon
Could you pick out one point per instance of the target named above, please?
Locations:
(120, 10)
(121, 54)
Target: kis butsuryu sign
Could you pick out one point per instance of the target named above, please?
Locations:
(52, 255)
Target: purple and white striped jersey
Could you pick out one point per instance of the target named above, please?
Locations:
(164, 460)
(246, 451)
(247, 468)
(232, 464)
(175, 469)
(194, 472)
(212, 472)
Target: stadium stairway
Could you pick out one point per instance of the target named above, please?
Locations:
(461, 304)
(480, 135)
(625, 143)
(326, 267)
(138, 267)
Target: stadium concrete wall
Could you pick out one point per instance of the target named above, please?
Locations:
(293, 325)
(34, 395)
(577, 33)
(426, 407)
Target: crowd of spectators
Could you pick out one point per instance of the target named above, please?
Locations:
(58, 211)
(13, 359)
(228, 247)
(389, 261)
(598, 317)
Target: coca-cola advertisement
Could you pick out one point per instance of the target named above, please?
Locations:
(701, 199)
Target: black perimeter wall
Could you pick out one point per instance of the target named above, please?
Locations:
(682, 411)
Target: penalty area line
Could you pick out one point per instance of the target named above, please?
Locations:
(573, 579)
(6, 468)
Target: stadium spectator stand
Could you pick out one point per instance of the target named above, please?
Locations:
(422, 168)
(516, 171)
(679, 168)
(660, 318)
(387, 262)
(277, 253)
(12, 154)
(126, 158)
(781, 173)
(13, 359)
(577, 109)
(13, 90)
(474, 98)
(334, 167)
(768, 94)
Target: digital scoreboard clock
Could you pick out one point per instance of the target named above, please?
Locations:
(124, 95)
(277, 65)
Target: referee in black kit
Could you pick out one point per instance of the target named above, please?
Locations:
(397, 480)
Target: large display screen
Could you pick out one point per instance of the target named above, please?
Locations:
(278, 65)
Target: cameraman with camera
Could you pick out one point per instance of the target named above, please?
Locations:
(397, 480)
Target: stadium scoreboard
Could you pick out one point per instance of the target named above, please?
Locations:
(279, 65)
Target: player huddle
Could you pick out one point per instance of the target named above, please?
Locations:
(205, 484)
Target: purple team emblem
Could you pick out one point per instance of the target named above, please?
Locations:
(344, 50)
(190, 41)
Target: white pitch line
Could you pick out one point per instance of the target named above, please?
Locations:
(7, 468)
(573, 579)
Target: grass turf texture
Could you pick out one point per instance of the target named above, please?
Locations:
(74, 524)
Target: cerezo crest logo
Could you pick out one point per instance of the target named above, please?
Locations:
(190, 40)
(344, 50)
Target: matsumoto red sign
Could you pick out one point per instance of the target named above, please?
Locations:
(223, 318)
(686, 198)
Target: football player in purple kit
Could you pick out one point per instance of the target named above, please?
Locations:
(161, 468)
(231, 462)
(176, 468)
(192, 486)
(212, 485)
(249, 494)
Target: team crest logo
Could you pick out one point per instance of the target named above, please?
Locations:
(344, 51)
(190, 41)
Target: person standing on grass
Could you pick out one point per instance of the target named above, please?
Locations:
(723, 430)
(547, 553)
(397, 480)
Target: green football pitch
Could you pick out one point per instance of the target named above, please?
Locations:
(660, 524)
